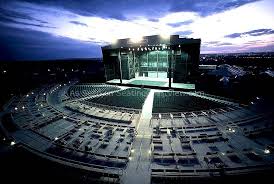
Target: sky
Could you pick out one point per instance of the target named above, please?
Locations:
(55, 29)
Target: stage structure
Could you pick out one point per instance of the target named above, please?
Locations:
(170, 62)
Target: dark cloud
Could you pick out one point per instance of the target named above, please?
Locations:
(9, 20)
(178, 24)
(224, 44)
(184, 33)
(78, 23)
(18, 44)
(10, 16)
(256, 32)
(210, 43)
(207, 7)
(216, 43)
(127, 9)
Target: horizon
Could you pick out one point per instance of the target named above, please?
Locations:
(101, 58)
(56, 30)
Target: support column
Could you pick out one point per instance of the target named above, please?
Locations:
(169, 71)
(120, 65)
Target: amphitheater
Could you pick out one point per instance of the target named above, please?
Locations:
(139, 135)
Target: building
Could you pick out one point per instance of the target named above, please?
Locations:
(152, 60)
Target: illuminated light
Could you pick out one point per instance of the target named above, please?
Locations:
(149, 151)
(266, 151)
(136, 39)
(231, 130)
(15, 108)
(223, 153)
(56, 138)
(4, 71)
(4, 139)
(48, 70)
(142, 49)
(23, 107)
(44, 94)
(128, 48)
(145, 48)
(32, 93)
(130, 158)
(133, 49)
(252, 102)
(114, 41)
(179, 46)
(41, 105)
(132, 151)
(257, 98)
(27, 95)
(137, 49)
(152, 48)
(165, 35)
(64, 117)
(12, 143)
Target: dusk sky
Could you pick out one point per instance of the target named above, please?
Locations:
(55, 29)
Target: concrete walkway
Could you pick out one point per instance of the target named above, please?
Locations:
(138, 169)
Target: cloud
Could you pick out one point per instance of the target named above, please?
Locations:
(179, 24)
(18, 44)
(220, 24)
(78, 23)
(207, 7)
(184, 33)
(257, 32)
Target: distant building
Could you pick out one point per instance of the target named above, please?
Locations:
(175, 59)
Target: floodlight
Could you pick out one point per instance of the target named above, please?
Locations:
(266, 151)
(136, 39)
(165, 35)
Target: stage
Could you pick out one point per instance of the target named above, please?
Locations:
(153, 83)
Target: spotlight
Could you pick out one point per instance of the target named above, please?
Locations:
(266, 151)
(136, 39)
(165, 36)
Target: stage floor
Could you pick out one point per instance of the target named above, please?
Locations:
(158, 82)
